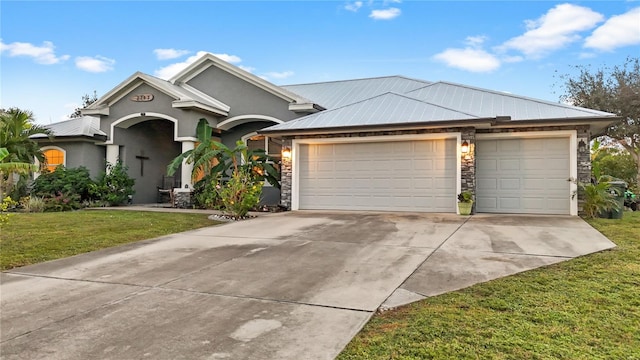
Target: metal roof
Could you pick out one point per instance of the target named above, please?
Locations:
(386, 109)
(333, 94)
(88, 126)
(359, 104)
(488, 103)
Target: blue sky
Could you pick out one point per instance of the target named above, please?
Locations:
(53, 52)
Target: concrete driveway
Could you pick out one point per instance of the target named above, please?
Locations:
(295, 285)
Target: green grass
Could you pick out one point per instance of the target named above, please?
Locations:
(586, 308)
(37, 237)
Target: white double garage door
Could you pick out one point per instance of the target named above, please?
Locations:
(514, 175)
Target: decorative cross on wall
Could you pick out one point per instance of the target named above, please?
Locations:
(142, 159)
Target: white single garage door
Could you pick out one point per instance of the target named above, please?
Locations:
(389, 176)
(527, 176)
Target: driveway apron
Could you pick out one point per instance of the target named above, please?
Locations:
(295, 285)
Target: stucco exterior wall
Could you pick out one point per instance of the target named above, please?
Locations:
(243, 97)
(81, 153)
(161, 104)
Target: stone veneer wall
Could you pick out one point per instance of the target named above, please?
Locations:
(468, 171)
(285, 178)
(584, 162)
(182, 198)
(468, 164)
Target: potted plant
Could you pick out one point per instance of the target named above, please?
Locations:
(465, 202)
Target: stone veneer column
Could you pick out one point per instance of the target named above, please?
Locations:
(468, 164)
(113, 154)
(584, 161)
(286, 179)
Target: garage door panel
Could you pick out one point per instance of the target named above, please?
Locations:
(423, 164)
(395, 176)
(509, 184)
(509, 203)
(487, 164)
(509, 165)
(487, 184)
(531, 176)
(509, 146)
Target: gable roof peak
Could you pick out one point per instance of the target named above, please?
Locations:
(208, 59)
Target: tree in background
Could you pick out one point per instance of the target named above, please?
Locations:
(614, 162)
(615, 90)
(86, 101)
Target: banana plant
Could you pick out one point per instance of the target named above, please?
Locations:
(214, 159)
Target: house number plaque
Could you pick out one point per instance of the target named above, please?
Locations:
(142, 97)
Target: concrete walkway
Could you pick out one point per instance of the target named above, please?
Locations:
(296, 285)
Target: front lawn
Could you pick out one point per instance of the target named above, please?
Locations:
(586, 308)
(37, 237)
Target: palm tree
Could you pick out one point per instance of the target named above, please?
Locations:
(16, 127)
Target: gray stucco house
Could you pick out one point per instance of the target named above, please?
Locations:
(388, 143)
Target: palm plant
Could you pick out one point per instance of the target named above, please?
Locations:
(598, 198)
(16, 127)
(8, 168)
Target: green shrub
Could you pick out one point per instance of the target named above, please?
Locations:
(74, 182)
(62, 202)
(113, 187)
(205, 194)
(240, 194)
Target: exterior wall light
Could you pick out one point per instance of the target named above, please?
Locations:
(582, 147)
(286, 152)
(464, 147)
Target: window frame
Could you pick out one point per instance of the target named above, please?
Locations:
(57, 148)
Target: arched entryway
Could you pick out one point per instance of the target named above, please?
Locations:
(146, 145)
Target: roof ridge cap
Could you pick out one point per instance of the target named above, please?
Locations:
(360, 79)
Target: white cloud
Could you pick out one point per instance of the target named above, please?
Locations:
(555, 29)
(247, 68)
(228, 58)
(353, 6)
(94, 64)
(475, 41)
(512, 59)
(470, 59)
(387, 14)
(169, 71)
(167, 54)
(277, 75)
(618, 31)
(41, 54)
